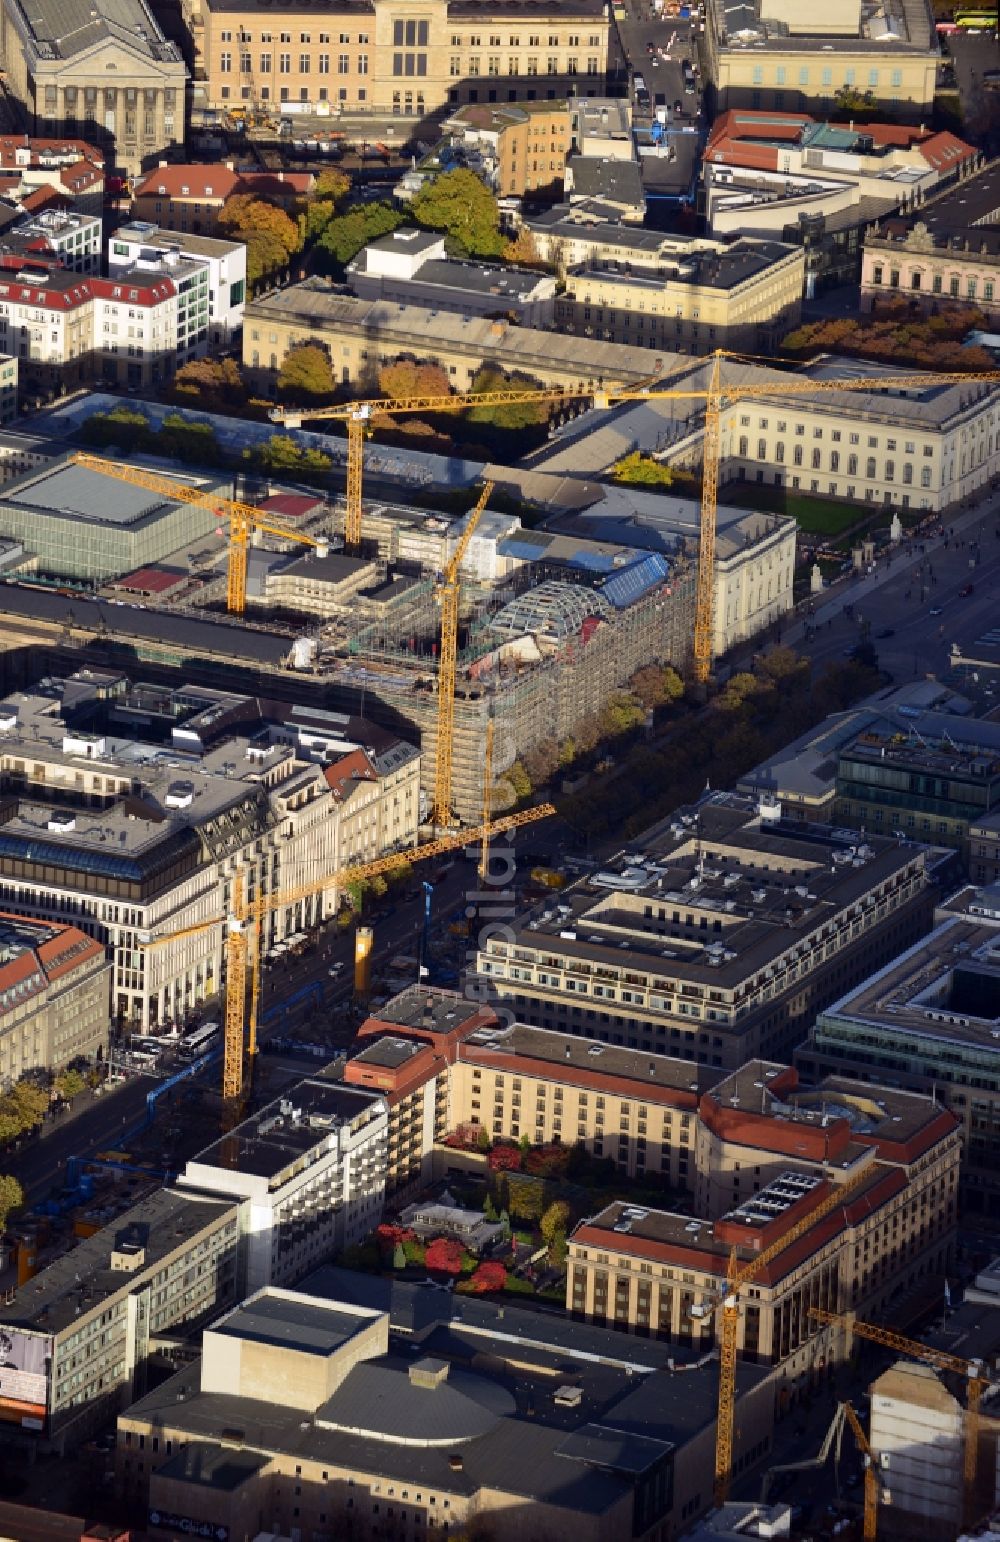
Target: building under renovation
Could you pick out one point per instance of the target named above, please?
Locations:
(548, 632)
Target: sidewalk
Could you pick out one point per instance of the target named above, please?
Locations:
(853, 589)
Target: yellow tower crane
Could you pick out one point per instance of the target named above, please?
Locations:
(717, 395)
(243, 517)
(245, 916)
(871, 1473)
(970, 1370)
(448, 594)
(737, 1276)
(358, 416)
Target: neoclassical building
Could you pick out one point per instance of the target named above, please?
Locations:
(76, 67)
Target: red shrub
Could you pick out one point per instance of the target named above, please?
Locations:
(505, 1159)
(387, 1235)
(488, 1276)
(444, 1256)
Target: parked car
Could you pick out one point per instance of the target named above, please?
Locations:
(966, 589)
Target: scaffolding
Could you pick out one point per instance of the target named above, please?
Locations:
(541, 701)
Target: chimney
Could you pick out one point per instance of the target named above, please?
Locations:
(230, 165)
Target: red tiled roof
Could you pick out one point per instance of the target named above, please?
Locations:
(353, 767)
(944, 151)
(80, 175)
(56, 289)
(291, 505)
(220, 182)
(45, 198)
(150, 580)
(11, 145)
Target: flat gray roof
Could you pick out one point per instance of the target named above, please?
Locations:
(288, 1321)
(281, 1134)
(78, 1281)
(77, 492)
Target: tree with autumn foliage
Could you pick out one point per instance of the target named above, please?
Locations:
(408, 377)
(504, 1159)
(490, 1275)
(305, 374)
(443, 1256)
(270, 235)
(522, 250)
(214, 385)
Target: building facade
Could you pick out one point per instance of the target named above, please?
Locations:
(213, 314)
(929, 1021)
(721, 946)
(119, 83)
(362, 335)
(744, 296)
(439, 1440)
(80, 1333)
(759, 1173)
(54, 997)
(311, 1168)
(944, 253)
(524, 144)
(929, 785)
(787, 56)
(407, 62)
(189, 198)
(138, 852)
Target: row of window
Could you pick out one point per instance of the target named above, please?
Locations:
(816, 462)
(243, 36)
(266, 66)
(805, 77)
(937, 283)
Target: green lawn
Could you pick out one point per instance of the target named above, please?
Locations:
(816, 516)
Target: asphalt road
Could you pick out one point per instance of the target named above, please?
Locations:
(642, 27)
(104, 1121)
(907, 589)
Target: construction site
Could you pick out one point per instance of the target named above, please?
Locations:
(545, 632)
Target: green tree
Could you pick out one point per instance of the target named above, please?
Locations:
(346, 234)
(279, 453)
(305, 374)
(30, 1101)
(638, 470)
(527, 1197)
(68, 1084)
(10, 1126)
(194, 444)
(398, 1256)
(125, 427)
(465, 209)
(514, 415)
(11, 1197)
(620, 714)
(554, 1221)
(518, 778)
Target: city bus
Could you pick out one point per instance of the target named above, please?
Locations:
(198, 1042)
(977, 20)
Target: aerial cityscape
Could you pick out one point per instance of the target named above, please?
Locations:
(499, 770)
